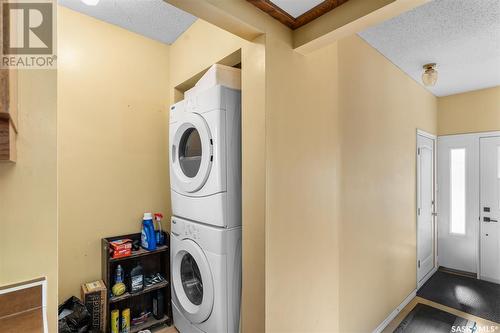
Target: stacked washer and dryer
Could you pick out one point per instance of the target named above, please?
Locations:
(205, 177)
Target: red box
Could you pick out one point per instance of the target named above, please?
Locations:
(121, 248)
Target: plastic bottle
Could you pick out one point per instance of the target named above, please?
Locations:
(136, 279)
(148, 237)
(158, 305)
(119, 274)
(160, 239)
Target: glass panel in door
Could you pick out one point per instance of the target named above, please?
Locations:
(191, 279)
(190, 152)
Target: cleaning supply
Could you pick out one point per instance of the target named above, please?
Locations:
(119, 274)
(115, 321)
(119, 288)
(158, 305)
(136, 279)
(121, 248)
(160, 238)
(125, 321)
(148, 237)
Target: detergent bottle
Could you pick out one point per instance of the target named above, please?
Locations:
(148, 237)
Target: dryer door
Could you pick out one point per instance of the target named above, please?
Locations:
(191, 153)
(192, 281)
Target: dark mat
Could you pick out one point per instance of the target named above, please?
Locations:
(426, 319)
(476, 297)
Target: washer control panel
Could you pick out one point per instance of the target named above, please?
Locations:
(185, 230)
(191, 231)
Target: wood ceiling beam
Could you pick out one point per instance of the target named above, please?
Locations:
(279, 14)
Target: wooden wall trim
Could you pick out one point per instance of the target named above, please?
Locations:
(23, 307)
(279, 14)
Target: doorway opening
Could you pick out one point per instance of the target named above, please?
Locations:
(469, 204)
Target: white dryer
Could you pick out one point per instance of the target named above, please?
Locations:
(205, 263)
(205, 157)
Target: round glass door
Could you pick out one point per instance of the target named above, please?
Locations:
(190, 152)
(191, 279)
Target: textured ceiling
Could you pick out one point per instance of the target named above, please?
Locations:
(461, 36)
(151, 18)
(296, 7)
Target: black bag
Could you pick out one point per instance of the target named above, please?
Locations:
(76, 317)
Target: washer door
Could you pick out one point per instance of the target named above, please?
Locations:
(192, 280)
(191, 153)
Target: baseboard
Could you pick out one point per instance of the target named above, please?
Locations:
(394, 313)
(458, 272)
(427, 277)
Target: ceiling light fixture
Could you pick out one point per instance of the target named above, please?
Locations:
(430, 75)
(91, 2)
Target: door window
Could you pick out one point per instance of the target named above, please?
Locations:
(458, 196)
(191, 279)
(190, 152)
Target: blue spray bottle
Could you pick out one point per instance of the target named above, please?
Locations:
(148, 237)
(160, 239)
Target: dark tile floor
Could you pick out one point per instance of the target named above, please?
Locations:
(476, 297)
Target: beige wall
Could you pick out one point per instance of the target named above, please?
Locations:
(381, 108)
(302, 190)
(475, 111)
(341, 232)
(199, 47)
(113, 138)
(28, 191)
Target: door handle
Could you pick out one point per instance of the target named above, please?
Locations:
(487, 219)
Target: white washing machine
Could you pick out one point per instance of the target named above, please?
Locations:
(206, 277)
(205, 157)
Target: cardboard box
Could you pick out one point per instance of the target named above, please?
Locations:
(121, 248)
(94, 298)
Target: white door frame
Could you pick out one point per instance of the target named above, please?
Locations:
(477, 139)
(434, 225)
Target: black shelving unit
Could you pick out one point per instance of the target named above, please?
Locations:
(157, 261)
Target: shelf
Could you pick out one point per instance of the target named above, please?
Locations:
(140, 253)
(7, 141)
(7, 116)
(146, 290)
(157, 261)
(150, 323)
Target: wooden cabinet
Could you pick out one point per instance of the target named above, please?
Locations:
(8, 114)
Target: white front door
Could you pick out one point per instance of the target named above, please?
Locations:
(458, 202)
(425, 206)
(490, 209)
